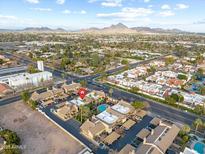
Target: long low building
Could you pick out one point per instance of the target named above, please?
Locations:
(26, 79)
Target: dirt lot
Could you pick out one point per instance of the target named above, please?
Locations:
(38, 135)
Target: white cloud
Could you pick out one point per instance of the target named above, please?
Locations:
(83, 12)
(112, 3)
(128, 13)
(165, 7)
(92, 1)
(9, 20)
(60, 2)
(42, 9)
(74, 12)
(200, 22)
(66, 12)
(146, 1)
(33, 1)
(3, 17)
(182, 6)
(166, 13)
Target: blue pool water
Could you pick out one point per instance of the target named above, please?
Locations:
(195, 87)
(102, 107)
(199, 147)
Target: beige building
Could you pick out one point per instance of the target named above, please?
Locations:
(159, 139)
(66, 111)
(128, 149)
(71, 87)
(39, 96)
(93, 129)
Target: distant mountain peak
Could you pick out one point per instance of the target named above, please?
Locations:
(119, 25)
(44, 29)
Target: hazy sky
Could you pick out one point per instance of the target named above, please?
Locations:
(187, 15)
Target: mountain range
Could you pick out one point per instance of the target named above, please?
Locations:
(118, 28)
(121, 28)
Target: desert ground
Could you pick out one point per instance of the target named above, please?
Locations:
(38, 135)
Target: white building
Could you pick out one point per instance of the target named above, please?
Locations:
(27, 79)
(189, 151)
(107, 117)
(40, 66)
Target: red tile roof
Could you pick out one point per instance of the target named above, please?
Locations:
(4, 87)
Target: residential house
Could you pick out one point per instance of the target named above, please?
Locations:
(159, 140)
(66, 111)
(123, 107)
(128, 149)
(93, 129)
(42, 95)
(74, 87)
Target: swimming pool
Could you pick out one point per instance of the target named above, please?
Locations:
(102, 107)
(199, 147)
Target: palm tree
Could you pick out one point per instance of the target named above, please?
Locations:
(186, 129)
(197, 123)
(204, 107)
(84, 112)
(110, 93)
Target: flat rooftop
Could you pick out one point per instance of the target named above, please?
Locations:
(77, 102)
(121, 109)
(107, 117)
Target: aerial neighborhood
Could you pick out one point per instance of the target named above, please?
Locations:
(109, 90)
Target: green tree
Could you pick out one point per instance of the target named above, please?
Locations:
(95, 59)
(175, 97)
(10, 137)
(185, 138)
(64, 62)
(31, 69)
(199, 109)
(202, 90)
(198, 122)
(169, 60)
(12, 150)
(84, 113)
(25, 96)
(152, 69)
(170, 100)
(1, 61)
(134, 89)
(30, 55)
(124, 62)
(182, 77)
(180, 98)
(199, 58)
(83, 83)
(186, 129)
(33, 104)
(200, 72)
(138, 105)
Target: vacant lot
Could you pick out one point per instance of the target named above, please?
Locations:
(38, 135)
